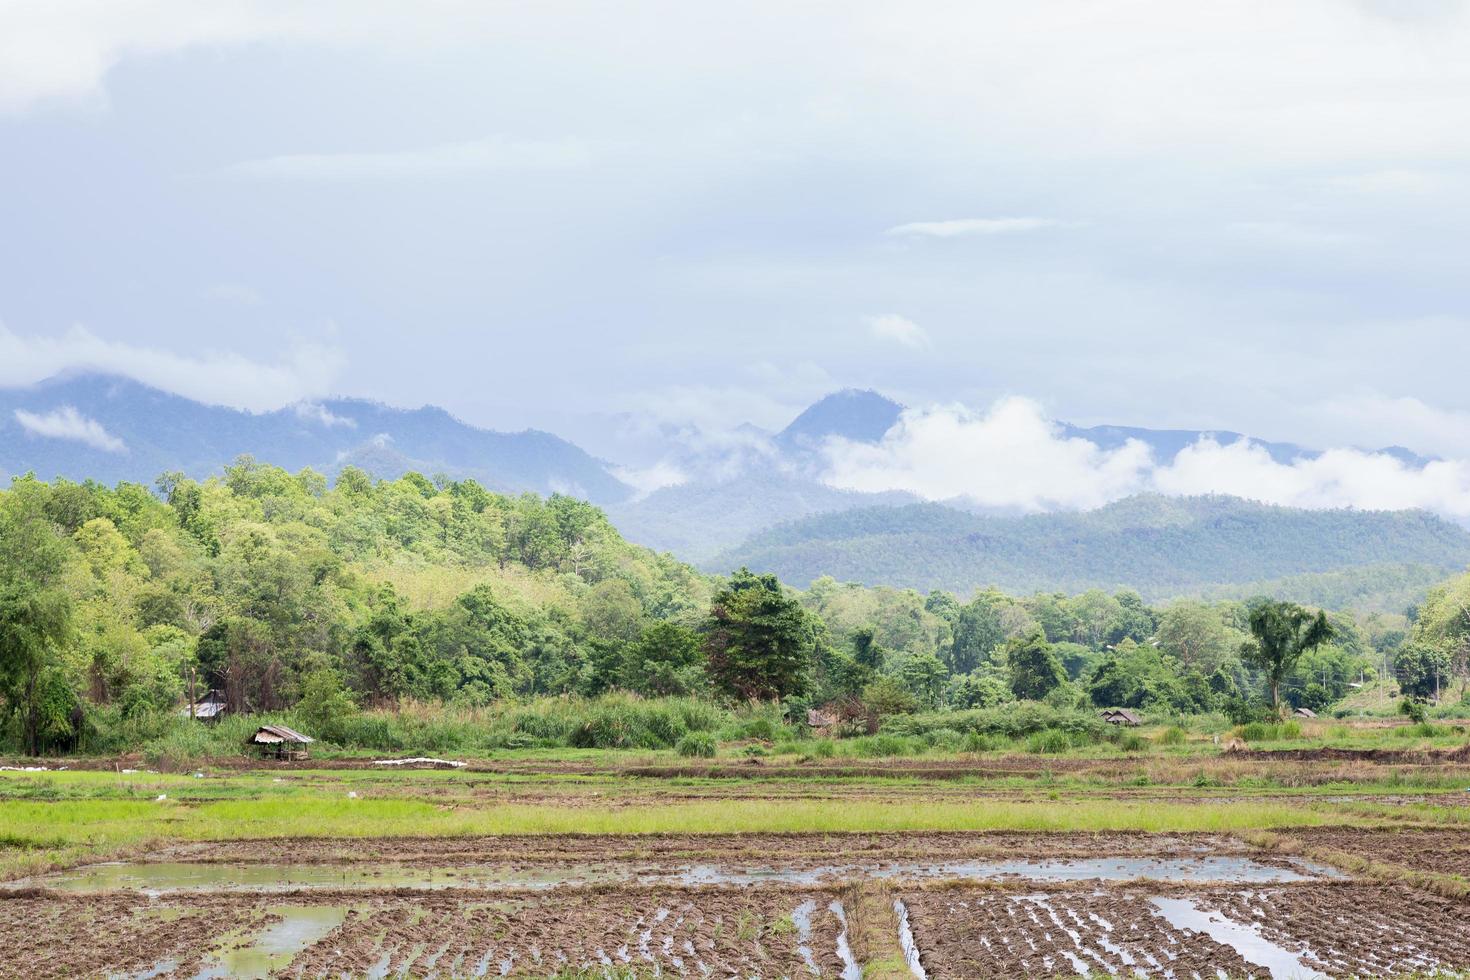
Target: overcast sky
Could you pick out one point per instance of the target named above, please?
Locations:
(1243, 215)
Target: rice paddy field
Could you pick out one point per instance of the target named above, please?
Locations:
(1292, 863)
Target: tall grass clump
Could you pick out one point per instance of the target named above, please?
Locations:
(1173, 735)
(1261, 731)
(697, 745)
(1053, 741)
(1012, 721)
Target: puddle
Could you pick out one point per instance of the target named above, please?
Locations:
(273, 947)
(906, 940)
(850, 968)
(801, 917)
(1280, 963)
(159, 877)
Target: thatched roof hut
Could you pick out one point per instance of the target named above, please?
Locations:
(283, 742)
(1121, 716)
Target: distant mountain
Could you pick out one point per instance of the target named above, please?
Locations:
(696, 520)
(1162, 546)
(1167, 443)
(860, 416)
(109, 429)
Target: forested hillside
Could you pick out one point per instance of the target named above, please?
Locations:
(1161, 546)
(287, 593)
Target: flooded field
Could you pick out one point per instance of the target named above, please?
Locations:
(786, 905)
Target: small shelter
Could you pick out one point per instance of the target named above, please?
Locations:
(1304, 713)
(816, 718)
(1121, 716)
(280, 741)
(208, 708)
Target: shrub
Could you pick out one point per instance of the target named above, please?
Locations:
(1133, 742)
(1416, 710)
(874, 746)
(1050, 742)
(1012, 721)
(975, 742)
(1173, 735)
(944, 739)
(824, 748)
(697, 745)
(1260, 731)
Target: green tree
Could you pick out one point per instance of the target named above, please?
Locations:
(35, 618)
(1281, 632)
(758, 641)
(665, 660)
(924, 674)
(1032, 666)
(978, 631)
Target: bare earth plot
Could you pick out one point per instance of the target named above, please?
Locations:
(767, 905)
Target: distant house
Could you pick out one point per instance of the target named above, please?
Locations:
(208, 708)
(1121, 716)
(280, 741)
(816, 718)
(1304, 713)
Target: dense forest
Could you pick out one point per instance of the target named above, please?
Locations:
(279, 589)
(1163, 547)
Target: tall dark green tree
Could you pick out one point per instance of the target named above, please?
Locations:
(1032, 665)
(665, 660)
(1280, 633)
(758, 641)
(977, 632)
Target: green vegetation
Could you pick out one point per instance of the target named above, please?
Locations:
(435, 616)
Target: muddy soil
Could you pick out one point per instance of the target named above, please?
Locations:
(784, 850)
(1346, 929)
(1433, 850)
(727, 932)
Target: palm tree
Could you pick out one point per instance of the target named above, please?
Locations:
(1282, 632)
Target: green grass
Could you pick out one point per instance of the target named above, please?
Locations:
(111, 822)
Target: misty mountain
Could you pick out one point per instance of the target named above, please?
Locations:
(110, 428)
(860, 416)
(696, 520)
(1161, 546)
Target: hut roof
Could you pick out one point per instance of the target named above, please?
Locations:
(276, 734)
(1121, 714)
(1305, 713)
(204, 709)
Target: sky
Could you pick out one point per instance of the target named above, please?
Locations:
(591, 217)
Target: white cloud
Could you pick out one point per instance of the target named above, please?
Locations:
(316, 412)
(958, 227)
(891, 326)
(1136, 76)
(434, 161)
(646, 479)
(215, 377)
(1376, 420)
(1010, 457)
(1337, 478)
(67, 423)
(1014, 457)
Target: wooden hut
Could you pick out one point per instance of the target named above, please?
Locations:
(280, 741)
(1121, 716)
(1304, 713)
